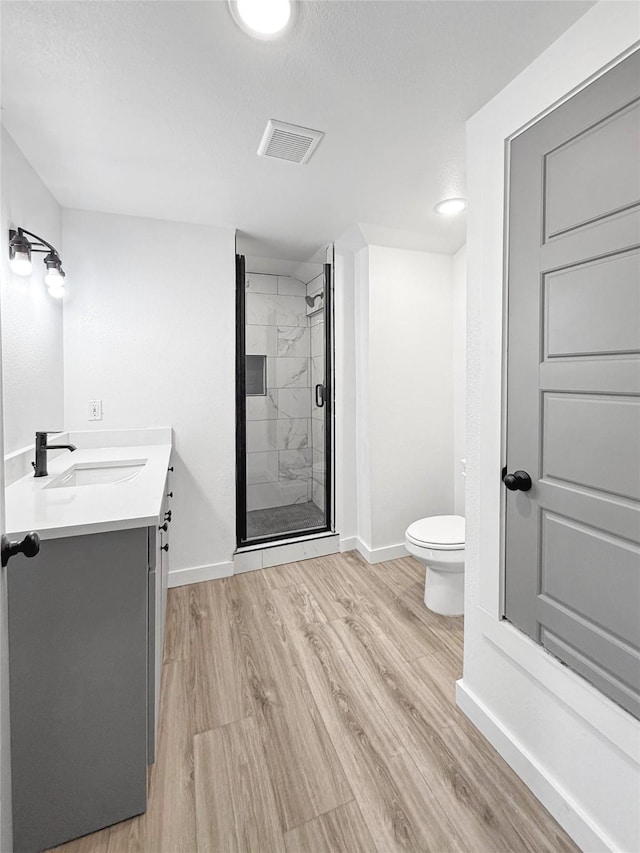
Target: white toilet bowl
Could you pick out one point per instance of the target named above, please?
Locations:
(438, 542)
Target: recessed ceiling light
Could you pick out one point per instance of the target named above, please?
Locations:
(450, 206)
(262, 19)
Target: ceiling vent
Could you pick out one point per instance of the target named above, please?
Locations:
(289, 142)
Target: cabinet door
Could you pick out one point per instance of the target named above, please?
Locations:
(152, 597)
(78, 678)
(167, 514)
(164, 571)
(154, 638)
(158, 582)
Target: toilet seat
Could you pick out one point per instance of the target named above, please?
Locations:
(438, 532)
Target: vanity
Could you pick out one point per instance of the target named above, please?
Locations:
(86, 627)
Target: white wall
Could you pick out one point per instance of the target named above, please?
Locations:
(149, 330)
(404, 394)
(362, 395)
(32, 372)
(31, 319)
(575, 748)
(459, 374)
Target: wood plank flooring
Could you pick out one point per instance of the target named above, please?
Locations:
(309, 708)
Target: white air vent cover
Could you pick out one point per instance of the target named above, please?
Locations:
(289, 142)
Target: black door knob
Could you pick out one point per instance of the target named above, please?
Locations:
(29, 546)
(170, 469)
(164, 527)
(519, 481)
(167, 516)
(169, 494)
(165, 547)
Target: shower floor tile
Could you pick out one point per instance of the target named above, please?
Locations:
(283, 519)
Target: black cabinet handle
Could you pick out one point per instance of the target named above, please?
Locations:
(164, 527)
(167, 516)
(170, 469)
(169, 494)
(165, 547)
(519, 481)
(29, 546)
(320, 396)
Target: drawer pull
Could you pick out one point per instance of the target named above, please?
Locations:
(29, 546)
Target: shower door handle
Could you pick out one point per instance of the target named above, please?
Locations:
(320, 396)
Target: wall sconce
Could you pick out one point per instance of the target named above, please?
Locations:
(20, 249)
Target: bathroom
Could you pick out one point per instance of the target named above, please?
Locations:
(147, 328)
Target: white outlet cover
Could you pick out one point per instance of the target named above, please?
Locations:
(95, 410)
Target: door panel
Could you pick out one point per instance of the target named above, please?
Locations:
(586, 442)
(572, 555)
(581, 185)
(599, 677)
(594, 308)
(572, 552)
(612, 657)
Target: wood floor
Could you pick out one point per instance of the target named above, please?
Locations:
(309, 708)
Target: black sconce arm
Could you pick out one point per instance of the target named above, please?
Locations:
(40, 242)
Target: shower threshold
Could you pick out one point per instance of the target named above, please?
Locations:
(285, 540)
(264, 555)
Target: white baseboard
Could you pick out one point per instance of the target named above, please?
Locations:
(304, 550)
(587, 835)
(197, 574)
(381, 555)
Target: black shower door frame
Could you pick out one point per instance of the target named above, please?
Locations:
(241, 416)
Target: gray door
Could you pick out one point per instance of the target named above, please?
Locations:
(573, 414)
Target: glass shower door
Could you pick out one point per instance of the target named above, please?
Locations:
(284, 403)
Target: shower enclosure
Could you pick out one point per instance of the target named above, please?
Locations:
(283, 400)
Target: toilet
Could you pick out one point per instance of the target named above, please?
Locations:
(438, 542)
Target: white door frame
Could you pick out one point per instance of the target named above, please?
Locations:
(593, 707)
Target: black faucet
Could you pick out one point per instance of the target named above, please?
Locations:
(40, 464)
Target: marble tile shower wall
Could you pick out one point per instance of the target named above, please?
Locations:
(317, 361)
(279, 453)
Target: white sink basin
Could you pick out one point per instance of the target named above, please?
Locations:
(99, 474)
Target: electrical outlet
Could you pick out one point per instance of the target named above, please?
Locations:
(95, 410)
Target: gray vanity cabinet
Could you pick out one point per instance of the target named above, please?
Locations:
(79, 647)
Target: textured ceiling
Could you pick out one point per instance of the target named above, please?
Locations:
(157, 109)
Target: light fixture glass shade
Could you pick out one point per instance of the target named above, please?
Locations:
(19, 253)
(54, 277)
(57, 290)
(20, 263)
(262, 19)
(450, 206)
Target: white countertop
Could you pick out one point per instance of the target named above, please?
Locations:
(76, 510)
